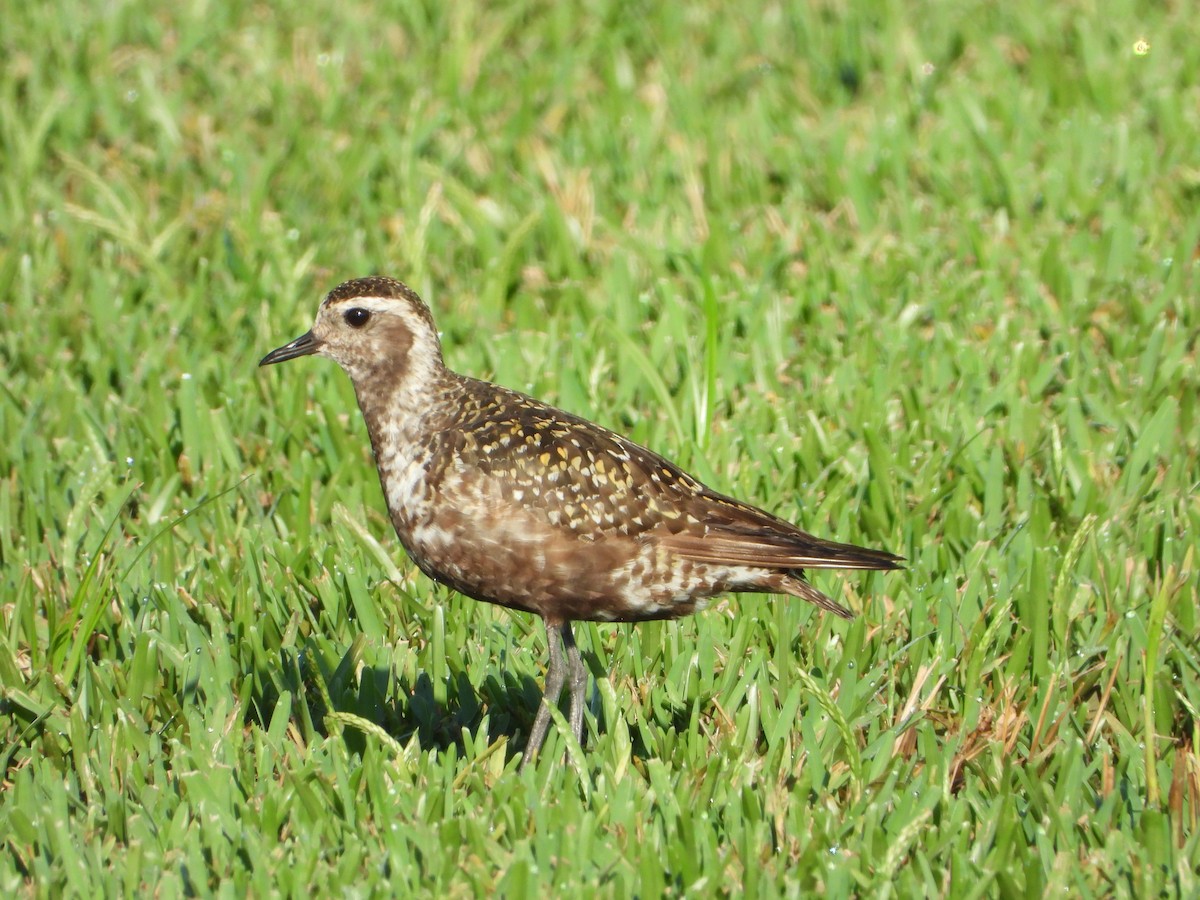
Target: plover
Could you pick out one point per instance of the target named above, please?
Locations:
(511, 501)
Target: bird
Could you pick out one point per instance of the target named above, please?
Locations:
(508, 500)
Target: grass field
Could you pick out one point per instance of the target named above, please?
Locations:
(918, 276)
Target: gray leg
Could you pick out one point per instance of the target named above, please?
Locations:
(578, 681)
(556, 676)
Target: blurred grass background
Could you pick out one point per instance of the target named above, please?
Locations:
(920, 276)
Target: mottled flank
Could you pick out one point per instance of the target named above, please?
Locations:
(514, 502)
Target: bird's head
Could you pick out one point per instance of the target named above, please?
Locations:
(377, 329)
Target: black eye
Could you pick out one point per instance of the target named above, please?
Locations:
(357, 317)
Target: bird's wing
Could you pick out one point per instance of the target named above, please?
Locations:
(734, 533)
(578, 475)
(593, 482)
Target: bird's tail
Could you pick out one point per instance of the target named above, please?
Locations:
(797, 585)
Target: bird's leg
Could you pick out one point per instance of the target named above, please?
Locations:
(577, 684)
(556, 676)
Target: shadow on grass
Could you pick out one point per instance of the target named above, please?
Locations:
(405, 707)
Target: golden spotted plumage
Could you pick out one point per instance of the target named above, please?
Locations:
(511, 501)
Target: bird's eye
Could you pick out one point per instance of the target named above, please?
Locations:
(357, 317)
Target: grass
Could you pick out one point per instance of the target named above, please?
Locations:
(922, 278)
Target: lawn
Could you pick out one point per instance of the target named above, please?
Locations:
(917, 276)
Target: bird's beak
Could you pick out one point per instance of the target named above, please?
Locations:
(301, 346)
